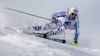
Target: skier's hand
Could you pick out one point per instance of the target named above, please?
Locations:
(75, 42)
(54, 20)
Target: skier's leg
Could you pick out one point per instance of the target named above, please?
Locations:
(48, 26)
(32, 28)
(52, 32)
(56, 31)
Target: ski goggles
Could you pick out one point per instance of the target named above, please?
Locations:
(74, 14)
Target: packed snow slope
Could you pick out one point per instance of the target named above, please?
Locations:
(15, 44)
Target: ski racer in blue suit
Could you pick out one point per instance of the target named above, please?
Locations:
(60, 22)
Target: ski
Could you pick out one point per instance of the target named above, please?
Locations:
(41, 35)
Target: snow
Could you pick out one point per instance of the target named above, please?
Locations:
(17, 44)
(27, 45)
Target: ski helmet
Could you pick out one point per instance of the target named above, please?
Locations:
(73, 10)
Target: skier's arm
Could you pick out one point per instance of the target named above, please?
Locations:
(76, 30)
(59, 14)
(47, 26)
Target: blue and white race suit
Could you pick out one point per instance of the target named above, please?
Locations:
(63, 23)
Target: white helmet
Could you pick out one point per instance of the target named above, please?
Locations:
(73, 10)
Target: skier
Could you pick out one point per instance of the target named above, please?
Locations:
(60, 22)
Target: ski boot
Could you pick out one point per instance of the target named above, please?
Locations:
(75, 42)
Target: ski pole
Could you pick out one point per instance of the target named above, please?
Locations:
(27, 13)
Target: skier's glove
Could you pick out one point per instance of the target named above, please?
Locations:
(75, 42)
(54, 20)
